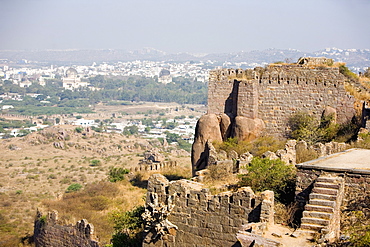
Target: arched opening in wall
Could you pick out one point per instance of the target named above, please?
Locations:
(207, 208)
(315, 83)
(335, 85)
(166, 189)
(231, 199)
(198, 197)
(269, 81)
(287, 82)
(325, 84)
(253, 203)
(240, 202)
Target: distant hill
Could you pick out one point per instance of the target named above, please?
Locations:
(353, 57)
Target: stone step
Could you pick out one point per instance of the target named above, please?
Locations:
(329, 179)
(325, 191)
(316, 214)
(317, 208)
(306, 231)
(323, 196)
(326, 185)
(312, 227)
(321, 202)
(315, 221)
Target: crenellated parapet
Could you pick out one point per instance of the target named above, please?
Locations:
(281, 74)
(186, 213)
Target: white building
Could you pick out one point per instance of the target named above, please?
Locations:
(72, 81)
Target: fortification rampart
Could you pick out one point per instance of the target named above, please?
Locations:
(184, 213)
(48, 232)
(154, 166)
(274, 93)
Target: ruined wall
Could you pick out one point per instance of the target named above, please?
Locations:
(48, 233)
(154, 166)
(274, 93)
(183, 213)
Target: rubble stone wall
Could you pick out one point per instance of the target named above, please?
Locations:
(274, 93)
(154, 166)
(203, 219)
(47, 232)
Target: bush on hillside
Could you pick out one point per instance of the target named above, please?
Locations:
(128, 228)
(256, 147)
(265, 174)
(116, 174)
(73, 188)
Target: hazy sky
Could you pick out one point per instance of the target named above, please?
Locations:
(198, 26)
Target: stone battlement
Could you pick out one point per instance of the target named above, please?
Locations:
(280, 74)
(48, 232)
(274, 93)
(185, 213)
(249, 103)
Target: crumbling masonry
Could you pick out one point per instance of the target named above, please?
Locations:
(183, 213)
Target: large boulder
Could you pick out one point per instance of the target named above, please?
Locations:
(330, 112)
(248, 129)
(207, 129)
(225, 125)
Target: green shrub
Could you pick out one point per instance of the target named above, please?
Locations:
(348, 73)
(117, 174)
(256, 147)
(73, 188)
(265, 174)
(304, 126)
(95, 163)
(359, 229)
(128, 228)
(79, 129)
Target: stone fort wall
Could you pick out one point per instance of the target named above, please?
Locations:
(274, 93)
(48, 232)
(184, 213)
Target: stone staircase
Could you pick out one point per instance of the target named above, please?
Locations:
(322, 213)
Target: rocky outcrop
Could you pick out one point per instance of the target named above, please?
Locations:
(207, 129)
(248, 129)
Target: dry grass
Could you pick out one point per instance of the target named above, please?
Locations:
(33, 170)
(357, 93)
(95, 203)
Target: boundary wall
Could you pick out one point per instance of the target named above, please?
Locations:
(183, 213)
(48, 232)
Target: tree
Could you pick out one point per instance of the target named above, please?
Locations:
(128, 228)
(73, 188)
(117, 174)
(131, 130)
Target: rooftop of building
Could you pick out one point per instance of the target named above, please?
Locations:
(353, 160)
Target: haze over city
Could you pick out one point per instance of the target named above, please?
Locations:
(184, 26)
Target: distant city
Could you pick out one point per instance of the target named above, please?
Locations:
(26, 67)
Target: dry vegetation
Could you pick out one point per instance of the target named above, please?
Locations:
(37, 169)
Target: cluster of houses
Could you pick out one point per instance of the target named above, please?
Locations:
(76, 76)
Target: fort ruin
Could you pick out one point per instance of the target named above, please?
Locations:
(248, 103)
